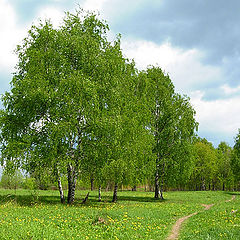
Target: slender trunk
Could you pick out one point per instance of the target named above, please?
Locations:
(58, 178)
(99, 194)
(203, 187)
(115, 193)
(162, 181)
(72, 180)
(223, 187)
(92, 180)
(86, 198)
(157, 190)
(61, 190)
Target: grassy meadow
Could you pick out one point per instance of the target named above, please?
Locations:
(26, 214)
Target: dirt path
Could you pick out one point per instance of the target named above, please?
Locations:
(177, 226)
(207, 207)
(233, 197)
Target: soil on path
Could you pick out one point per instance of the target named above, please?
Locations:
(207, 207)
(233, 197)
(177, 226)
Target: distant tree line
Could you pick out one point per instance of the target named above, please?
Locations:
(78, 109)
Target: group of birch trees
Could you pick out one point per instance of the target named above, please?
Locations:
(78, 107)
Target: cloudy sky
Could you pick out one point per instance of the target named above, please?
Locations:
(196, 42)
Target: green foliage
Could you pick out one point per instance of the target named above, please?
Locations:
(171, 121)
(71, 96)
(235, 160)
(11, 180)
(29, 183)
(224, 171)
(205, 166)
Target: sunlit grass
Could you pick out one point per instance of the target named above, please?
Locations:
(28, 214)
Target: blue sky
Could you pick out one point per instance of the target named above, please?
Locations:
(195, 42)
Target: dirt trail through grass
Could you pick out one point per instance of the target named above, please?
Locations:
(177, 226)
(233, 197)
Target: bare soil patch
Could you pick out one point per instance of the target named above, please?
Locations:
(207, 207)
(233, 197)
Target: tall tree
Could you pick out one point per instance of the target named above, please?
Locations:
(172, 124)
(224, 171)
(204, 174)
(235, 161)
(64, 92)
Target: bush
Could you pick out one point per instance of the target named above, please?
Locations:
(12, 181)
(30, 183)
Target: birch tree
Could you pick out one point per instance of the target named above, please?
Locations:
(64, 90)
(172, 124)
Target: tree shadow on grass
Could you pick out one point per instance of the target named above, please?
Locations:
(139, 199)
(32, 198)
(233, 193)
(35, 198)
(107, 200)
(29, 200)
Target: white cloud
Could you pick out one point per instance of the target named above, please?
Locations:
(11, 35)
(229, 90)
(189, 74)
(54, 14)
(94, 5)
(220, 117)
(184, 66)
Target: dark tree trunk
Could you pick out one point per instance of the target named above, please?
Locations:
(223, 186)
(92, 180)
(72, 180)
(99, 194)
(86, 198)
(115, 193)
(134, 188)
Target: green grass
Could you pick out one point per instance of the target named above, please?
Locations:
(28, 214)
